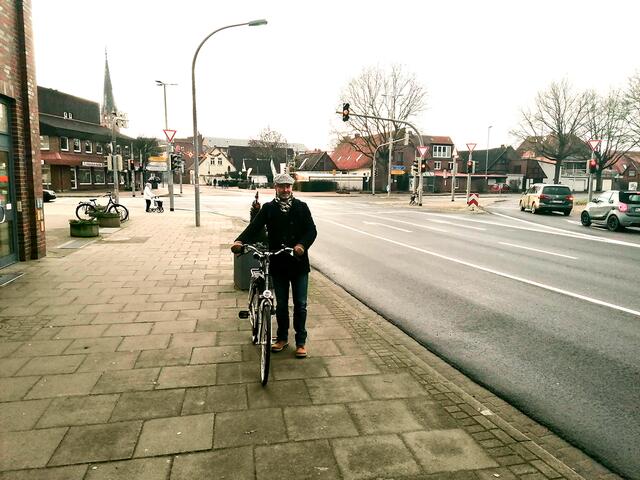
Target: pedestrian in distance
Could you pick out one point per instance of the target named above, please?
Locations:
(148, 195)
(289, 223)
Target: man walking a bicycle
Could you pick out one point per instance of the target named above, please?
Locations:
(289, 223)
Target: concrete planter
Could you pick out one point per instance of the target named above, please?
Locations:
(83, 228)
(108, 220)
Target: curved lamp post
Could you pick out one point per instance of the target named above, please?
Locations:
(196, 145)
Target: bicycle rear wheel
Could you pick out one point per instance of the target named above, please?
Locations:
(265, 343)
(121, 210)
(84, 211)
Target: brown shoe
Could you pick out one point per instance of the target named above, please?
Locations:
(279, 346)
(301, 352)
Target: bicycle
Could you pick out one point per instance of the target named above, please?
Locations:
(260, 307)
(85, 210)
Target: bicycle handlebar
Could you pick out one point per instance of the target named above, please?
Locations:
(261, 253)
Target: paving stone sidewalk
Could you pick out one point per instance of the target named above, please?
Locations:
(126, 359)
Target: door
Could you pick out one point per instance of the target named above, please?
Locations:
(8, 233)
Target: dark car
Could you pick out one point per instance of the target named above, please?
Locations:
(614, 209)
(48, 195)
(541, 197)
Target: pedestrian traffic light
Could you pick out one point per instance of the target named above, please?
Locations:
(345, 112)
(593, 166)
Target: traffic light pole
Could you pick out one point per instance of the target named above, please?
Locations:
(166, 126)
(469, 166)
(359, 115)
(593, 153)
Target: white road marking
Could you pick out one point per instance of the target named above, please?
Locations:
(388, 226)
(435, 229)
(495, 272)
(536, 250)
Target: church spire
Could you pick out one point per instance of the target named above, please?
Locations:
(108, 103)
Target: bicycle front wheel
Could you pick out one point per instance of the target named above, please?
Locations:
(84, 211)
(254, 300)
(265, 343)
(120, 210)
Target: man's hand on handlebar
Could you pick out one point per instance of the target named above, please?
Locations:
(298, 250)
(237, 247)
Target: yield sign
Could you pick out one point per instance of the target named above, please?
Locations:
(594, 144)
(169, 134)
(423, 151)
(471, 146)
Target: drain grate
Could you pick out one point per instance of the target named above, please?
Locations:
(7, 278)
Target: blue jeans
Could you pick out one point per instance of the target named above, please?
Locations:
(299, 285)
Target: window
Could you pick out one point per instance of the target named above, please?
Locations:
(46, 175)
(437, 165)
(88, 147)
(632, 173)
(441, 151)
(98, 176)
(84, 176)
(44, 142)
(64, 144)
(457, 183)
(4, 118)
(118, 150)
(220, 161)
(74, 179)
(450, 166)
(99, 150)
(76, 145)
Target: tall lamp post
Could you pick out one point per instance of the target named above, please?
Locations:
(486, 163)
(196, 144)
(166, 126)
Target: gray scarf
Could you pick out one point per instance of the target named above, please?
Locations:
(284, 205)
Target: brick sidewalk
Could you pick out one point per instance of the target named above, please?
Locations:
(125, 359)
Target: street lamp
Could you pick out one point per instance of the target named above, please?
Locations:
(196, 145)
(164, 85)
(486, 163)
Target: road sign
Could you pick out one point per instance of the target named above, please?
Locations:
(471, 146)
(594, 144)
(423, 151)
(169, 134)
(473, 199)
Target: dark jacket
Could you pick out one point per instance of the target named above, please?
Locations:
(286, 229)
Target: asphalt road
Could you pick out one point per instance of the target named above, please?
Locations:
(537, 308)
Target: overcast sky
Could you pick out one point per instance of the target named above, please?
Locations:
(480, 61)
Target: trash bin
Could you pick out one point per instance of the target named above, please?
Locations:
(242, 266)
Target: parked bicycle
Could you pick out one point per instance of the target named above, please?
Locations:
(261, 306)
(86, 210)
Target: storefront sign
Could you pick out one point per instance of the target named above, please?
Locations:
(93, 164)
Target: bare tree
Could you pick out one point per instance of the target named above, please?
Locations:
(270, 144)
(632, 96)
(608, 120)
(390, 94)
(555, 124)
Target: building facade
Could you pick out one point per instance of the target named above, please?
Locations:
(21, 213)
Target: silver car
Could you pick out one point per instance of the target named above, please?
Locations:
(614, 208)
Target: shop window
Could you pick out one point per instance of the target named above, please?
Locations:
(88, 147)
(44, 142)
(99, 150)
(84, 176)
(46, 175)
(64, 144)
(98, 176)
(74, 178)
(76, 145)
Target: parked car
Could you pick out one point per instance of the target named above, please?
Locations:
(48, 195)
(500, 188)
(541, 197)
(614, 208)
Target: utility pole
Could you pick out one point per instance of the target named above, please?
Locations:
(120, 120)
(166, 126)
(454, 170)
(486, 163)
(470, 146)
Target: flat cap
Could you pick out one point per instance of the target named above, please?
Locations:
(283, 178)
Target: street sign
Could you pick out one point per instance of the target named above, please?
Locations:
(423, 151)
(471, 146)
(169, 134)
(156, 167)
(594, 144)
(473, 199)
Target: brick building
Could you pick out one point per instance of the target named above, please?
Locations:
(21, 213)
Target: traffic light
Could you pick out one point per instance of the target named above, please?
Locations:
(176, 161)
(414, 167)
(423, 165)
(593, 166)
(345, 112)
(469, 166)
